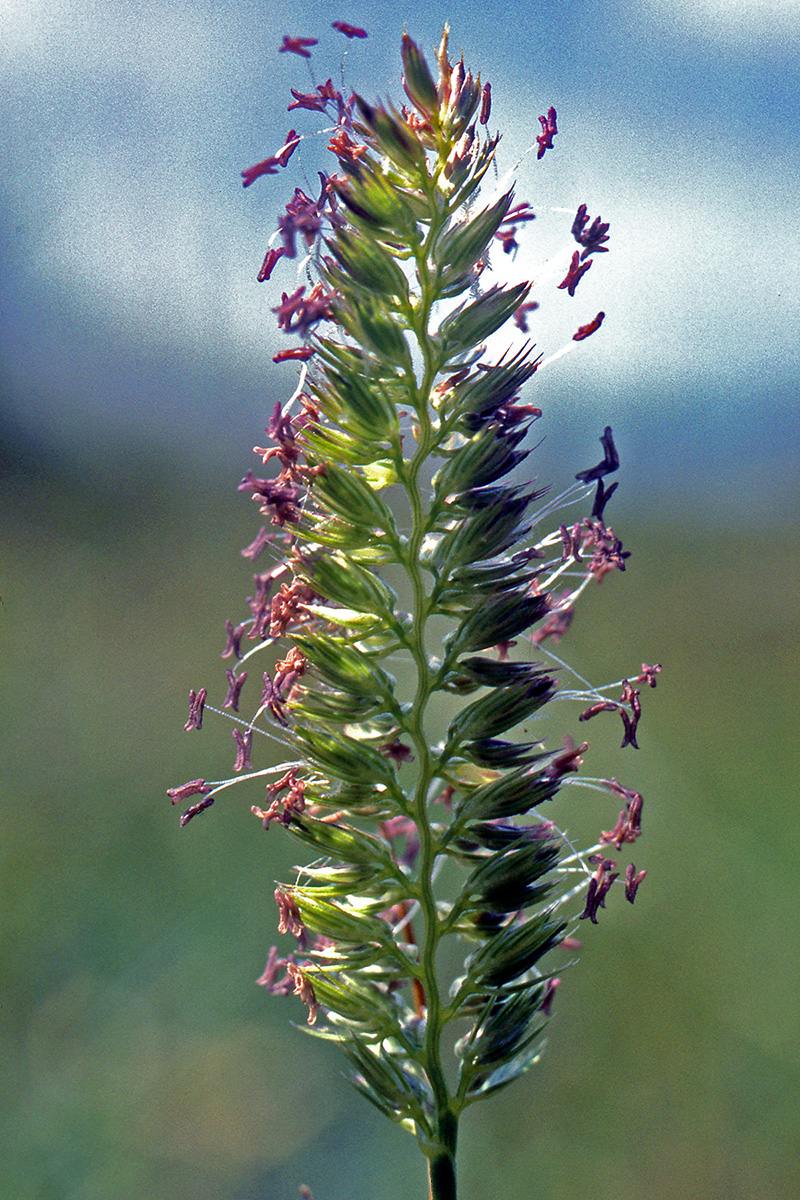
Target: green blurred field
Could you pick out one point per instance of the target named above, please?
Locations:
(138, 1059)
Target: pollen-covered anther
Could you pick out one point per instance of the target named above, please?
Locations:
(601, 498)
(268, 166)
(297, 313)
(448, 384)
(281, 809)
(288, 607)
(345, 149)
(511, 415)
(197, 702)
(508, 239)
(594, 709)
(567, 761)
(268, 264)
(630, 720)
(288, 670)
(648, 674)
(585, 331)
(277, 500)
(282, 429)
(486, 104)
(607, 552)
(574, 274)
(592, 239)
(518, 214)
(297, 353)
(419, 126)
(244, 744)
(304, 216)
(445, 797)
(308, 100)
(548, 996)
(626, 794)
(288, 148)
(599, 886)
(521, 314)
(195, 787)
(261, 604)
(349, 31)
(287, 308)
(233, 642)
(296, 45)
(235, 685)
(544, 140)
(632, 881)
(630, 695)
(571, 543)
(258, 545)
(304, 988)
(272, 699)
(502, 649)
(289, 918)
(558, 622)
(629, 824)
(268, 978)
(608, 463)
(403, 830)
(507, 233)
(397, 751)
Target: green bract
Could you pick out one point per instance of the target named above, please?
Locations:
(412, 576)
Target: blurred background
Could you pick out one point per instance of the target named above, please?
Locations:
(137, 1058)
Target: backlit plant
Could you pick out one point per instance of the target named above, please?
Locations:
(403, 625)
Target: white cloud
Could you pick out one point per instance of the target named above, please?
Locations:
(750, 25)
(124, 193)
(140, 226)
(697, 283)
(72, 39)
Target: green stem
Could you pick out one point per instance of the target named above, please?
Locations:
(442, 1170)
(442, 1166)
(442, 1177)
(443, 1122)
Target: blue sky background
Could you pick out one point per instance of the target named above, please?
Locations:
(129, 303)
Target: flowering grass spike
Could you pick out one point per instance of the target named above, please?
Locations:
(413, 572)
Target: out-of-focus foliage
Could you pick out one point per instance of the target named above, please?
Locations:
(138, 1058)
